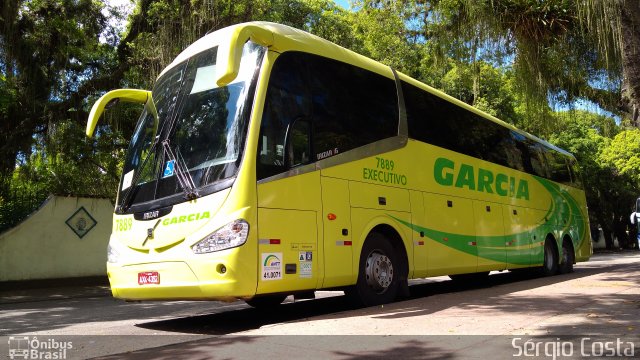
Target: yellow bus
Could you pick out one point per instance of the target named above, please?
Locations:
(268, 162)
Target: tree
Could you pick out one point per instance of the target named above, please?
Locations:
(623, 153)
(58, 56)
(589, 137)
(615, 25)
(47, 48)
(558, 50)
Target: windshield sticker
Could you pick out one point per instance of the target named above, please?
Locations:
(127, 179)
(271, 266)
(169, 169)
(204, 79)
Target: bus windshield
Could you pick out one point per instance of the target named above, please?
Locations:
(190, 129)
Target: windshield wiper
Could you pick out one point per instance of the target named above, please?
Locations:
(182, 172)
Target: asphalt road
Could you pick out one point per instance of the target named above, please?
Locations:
(600, 301)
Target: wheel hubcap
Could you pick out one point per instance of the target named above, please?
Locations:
(379, 272)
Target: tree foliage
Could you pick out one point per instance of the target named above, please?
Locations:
(610, 192)
(514, 59)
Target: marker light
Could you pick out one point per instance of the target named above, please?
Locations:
(112, 254)
(229, 236)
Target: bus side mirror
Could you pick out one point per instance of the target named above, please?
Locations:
(128, 95)
(230, 52)
(634, 218)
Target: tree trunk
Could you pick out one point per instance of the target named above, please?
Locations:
(608, 239)
(630, 29)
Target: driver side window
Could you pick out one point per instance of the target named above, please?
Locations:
(298, 143)
(285, 128)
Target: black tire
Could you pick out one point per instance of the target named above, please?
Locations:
(266, 301)
(474, 279)
(379, 273)
(550, 264)
(568, 257)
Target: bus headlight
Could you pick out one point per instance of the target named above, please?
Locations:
(231, 235)
(112, 254)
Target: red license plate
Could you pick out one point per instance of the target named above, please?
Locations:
(148, 277)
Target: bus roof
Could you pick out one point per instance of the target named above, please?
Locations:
(281, 38)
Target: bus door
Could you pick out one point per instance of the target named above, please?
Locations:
(288, 233)
(490, 239)
(337, 242)
(288, 185)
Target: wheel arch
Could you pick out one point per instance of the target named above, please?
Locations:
(558, 245)
(391, 235)
(396, 241)
(569, 240)
(399, 240)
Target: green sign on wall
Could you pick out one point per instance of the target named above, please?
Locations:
(81, 222)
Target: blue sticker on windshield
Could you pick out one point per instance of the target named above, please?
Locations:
(169, 169)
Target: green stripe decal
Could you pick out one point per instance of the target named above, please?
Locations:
(563, 209)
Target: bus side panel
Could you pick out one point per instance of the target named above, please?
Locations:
(337, 241)
(288, 230)
(287, 250)
(490, 237)
(583, 244)
(518, 236)
(370, 196)
(420, 264)
(581, 231)
(450, 233)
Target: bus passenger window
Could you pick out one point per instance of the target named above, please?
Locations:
(352, 106)
(559, 170)
(537, 158)
(576, 178)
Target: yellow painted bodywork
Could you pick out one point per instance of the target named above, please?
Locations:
(316, 222)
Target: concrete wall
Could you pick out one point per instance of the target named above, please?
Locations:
(44, 246)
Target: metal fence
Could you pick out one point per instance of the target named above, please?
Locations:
(18, 205)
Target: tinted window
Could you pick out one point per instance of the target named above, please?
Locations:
(436, 121)
(287, 102)
(538, 160)
(317, 107)
(352, 107)
(559, 168)
(576, 176)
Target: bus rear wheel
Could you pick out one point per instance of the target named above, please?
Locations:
(378, 273)
(568, 257)
(550, 264)
(266, 301)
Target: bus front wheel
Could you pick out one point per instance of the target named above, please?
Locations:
(378, 273)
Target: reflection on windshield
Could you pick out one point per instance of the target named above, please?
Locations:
(204, 125)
